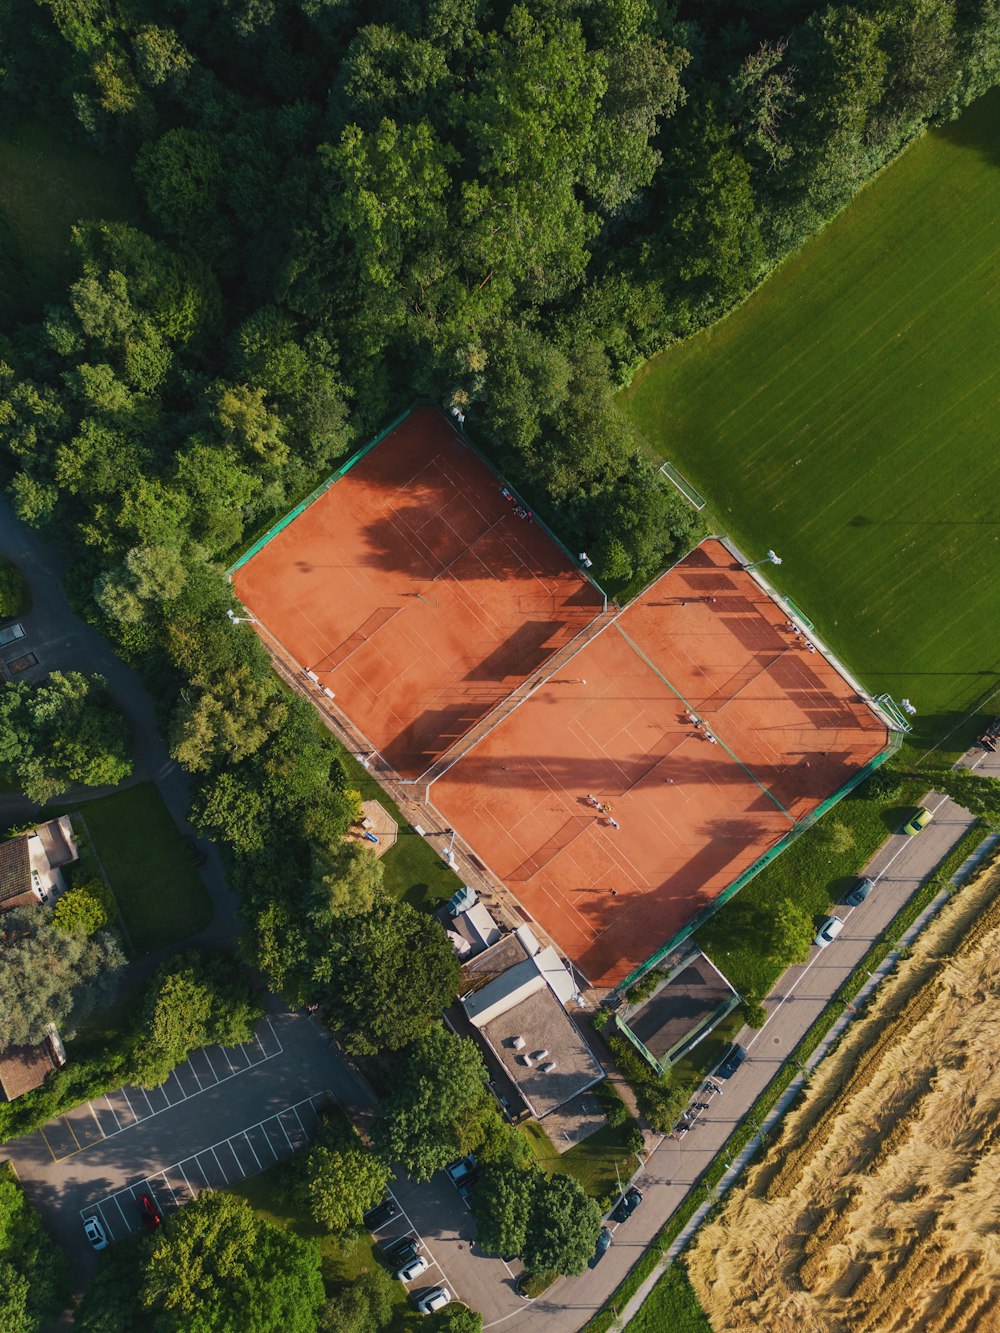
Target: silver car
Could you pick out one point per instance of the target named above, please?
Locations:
(95, 1233)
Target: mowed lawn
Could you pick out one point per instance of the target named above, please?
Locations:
(46, 185)
(848, 416)
(149, 865)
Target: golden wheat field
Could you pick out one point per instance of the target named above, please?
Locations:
(877, 1210)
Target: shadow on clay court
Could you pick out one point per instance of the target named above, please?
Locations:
(523, 652)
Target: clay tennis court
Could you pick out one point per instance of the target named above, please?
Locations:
(413, 590)
(693, 812)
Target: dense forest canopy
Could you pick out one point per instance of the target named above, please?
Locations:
(503, 207)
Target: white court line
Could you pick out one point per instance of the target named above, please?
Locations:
(113, 1111)
(251, 1147)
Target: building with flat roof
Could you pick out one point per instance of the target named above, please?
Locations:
(515, 997)
(690, 1000)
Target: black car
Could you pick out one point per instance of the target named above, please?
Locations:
(381, 1214)
(734, 1058)
(860, 892)
(627, 1204)
(403, 1248)
(603, 1245)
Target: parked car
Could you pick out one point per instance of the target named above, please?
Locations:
(435, 1299)
(380, 1214)
(920, 820)
(603, 1245)
(11, 633)
(412, 1268)
(462, 1169)
(627, 1204)
(402, 1248)
(95, 1233)
(148, 1212)
(860, 892)
(829, 931)
(734, 1058)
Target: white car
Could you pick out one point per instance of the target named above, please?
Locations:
(412, 1268)
(95, 1233)
(829, 931)
(435, 1299)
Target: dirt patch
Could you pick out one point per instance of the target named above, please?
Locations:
(375, 820)
(876, 1211)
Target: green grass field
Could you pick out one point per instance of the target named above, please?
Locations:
(592, 1161)
(846, 416)
(160, 894)
(46, 185)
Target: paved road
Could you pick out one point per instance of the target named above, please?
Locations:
(899, 867)
(64, 642)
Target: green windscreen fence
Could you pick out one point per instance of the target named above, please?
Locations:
(710, 909)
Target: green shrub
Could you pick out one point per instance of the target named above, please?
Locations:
(13, 590)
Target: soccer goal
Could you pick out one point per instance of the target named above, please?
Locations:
(683, 485)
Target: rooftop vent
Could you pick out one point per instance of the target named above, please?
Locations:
(517, 1043)
(539, 1055)
(548, 1067)
(526, 1060)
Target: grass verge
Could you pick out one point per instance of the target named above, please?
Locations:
(149, 865)
(703, 1189)
(592, 1162)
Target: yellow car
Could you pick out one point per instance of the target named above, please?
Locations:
(920, 820)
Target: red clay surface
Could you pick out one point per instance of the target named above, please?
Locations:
(415, 593)
(693, 813)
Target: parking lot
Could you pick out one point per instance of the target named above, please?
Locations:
(213, 1167)
(223, 1115)
(118, 1111)
(396, 1229)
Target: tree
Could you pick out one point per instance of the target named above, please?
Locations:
(436, 1109)
(973, 792)
(563, 1227)
(366, 1305)
(62, 731)
(346, 879)
(49, 975)
(503, 1205)
(34, 1286)
(85, 908)
(389, 974)
(218, 1268)
(791, 934)
(13, 589)
(227, 720)
(340, 1180)
(455, 1318)
(193, 1002)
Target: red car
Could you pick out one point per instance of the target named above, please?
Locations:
(148, 1212)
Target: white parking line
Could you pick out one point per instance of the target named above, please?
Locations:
(130, 1106)
(210, 1065)
(236, 1159)
(251, 1147)
(148, 1102)
(194, 1071)
(113, 1112)
(301, 1125)
(184, 1095)
(432, 1262)
(283, 1130)
(145, 1184)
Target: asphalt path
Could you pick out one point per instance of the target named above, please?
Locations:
(801, 994)
(64, 642)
